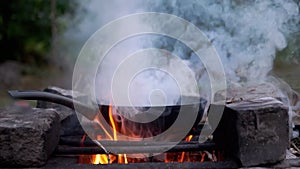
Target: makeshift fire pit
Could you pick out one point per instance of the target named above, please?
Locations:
(252, 132)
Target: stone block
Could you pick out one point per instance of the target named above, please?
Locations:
(249, 92)
(27, 136)
(254, 131)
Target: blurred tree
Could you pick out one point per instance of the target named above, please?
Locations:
(27, 28)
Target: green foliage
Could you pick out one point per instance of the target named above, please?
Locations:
(25, 28)
(292, 52)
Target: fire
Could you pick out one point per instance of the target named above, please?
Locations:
(103, 158)
(189, 138)
(99, 159)
(200, 156)
(112, 122)
(121, 158)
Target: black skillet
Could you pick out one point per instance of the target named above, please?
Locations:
(157, 126)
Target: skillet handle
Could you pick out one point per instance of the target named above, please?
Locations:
(84, 110)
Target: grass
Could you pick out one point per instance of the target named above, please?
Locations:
(289, 72)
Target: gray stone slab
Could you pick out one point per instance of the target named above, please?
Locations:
(255, 131)
(27, 136)
(254, 91)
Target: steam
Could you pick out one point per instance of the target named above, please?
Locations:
(246, 35)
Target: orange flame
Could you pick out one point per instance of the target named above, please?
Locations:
(102, 158)
(99, 158)
(202, 157)
(189, 138)
(122, 158)
(112, 122)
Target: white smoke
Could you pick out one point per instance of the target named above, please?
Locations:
(246, 34)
